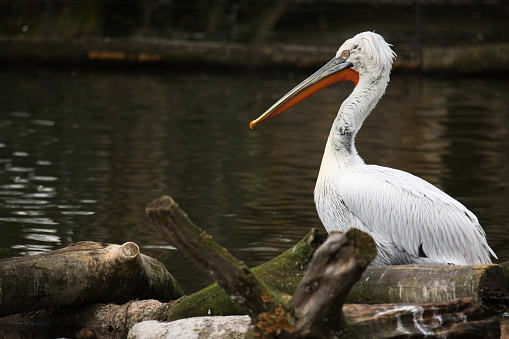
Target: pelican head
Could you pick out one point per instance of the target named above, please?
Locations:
(368, 53)
(365, 57)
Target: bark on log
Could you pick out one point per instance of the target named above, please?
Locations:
(118, 318)
(87, 272)
(486, 284)
(335, 267)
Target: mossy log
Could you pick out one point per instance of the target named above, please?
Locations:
(85, 273)
(283, 273)
(266, 307)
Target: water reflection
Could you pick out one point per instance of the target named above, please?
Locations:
(82, 153)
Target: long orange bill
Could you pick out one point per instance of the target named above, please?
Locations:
(334, 71)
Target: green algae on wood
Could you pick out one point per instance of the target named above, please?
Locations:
(283, 273)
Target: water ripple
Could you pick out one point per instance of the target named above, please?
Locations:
(43, 122)
(29, 212)
(19, 169)
(43, 238)
(14, 186)
(41, 195)
(43, 178)
(37, 221)
(77, 212)
(32, 249)
(27, 202)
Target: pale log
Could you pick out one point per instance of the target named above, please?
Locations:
(486, 284)
(283, 273)
(85, 273)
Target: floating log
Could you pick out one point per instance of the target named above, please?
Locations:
(85, 273)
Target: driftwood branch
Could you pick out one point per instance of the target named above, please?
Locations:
(282, 273)
(335, 267)
(265, 306)
(85, 273)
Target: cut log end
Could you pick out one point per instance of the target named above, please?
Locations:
(163, 202)
(129, 251)
(164, 207)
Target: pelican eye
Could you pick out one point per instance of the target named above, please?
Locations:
(345, 54)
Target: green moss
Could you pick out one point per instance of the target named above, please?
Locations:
(285, 272)
(212, 300)
(282, 273)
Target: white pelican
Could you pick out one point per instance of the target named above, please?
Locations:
(410, 220)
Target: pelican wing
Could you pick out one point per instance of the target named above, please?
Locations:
(414, 215)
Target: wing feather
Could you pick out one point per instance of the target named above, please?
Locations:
(412, 213)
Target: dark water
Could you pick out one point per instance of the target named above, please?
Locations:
(83, 152)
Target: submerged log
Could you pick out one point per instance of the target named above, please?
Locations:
(459, 318)
(85, 273)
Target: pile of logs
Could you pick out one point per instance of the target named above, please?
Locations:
(320, 288)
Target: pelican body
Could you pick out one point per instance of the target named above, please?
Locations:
(410, 220)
